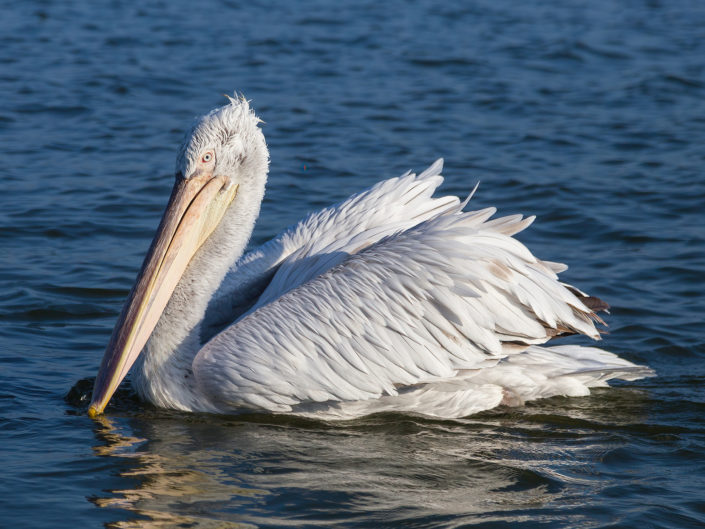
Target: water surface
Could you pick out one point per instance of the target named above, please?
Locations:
(589, 115)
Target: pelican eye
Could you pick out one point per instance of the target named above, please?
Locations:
(207, 157)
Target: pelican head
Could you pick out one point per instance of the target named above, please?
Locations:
(220, 154)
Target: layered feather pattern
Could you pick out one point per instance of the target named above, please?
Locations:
(394, 300)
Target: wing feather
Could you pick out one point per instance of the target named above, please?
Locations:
(417, 306)
(291, 258)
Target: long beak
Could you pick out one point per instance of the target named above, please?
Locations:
(196, 206)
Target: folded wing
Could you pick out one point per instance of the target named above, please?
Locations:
(291, 258)
(449, 294)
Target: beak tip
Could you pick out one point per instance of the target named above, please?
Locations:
(93, 411)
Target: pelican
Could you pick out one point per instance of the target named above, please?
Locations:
(392, 300)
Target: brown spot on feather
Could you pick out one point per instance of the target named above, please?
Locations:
(500, 270)
(595, 304)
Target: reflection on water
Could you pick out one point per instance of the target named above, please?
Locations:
(171, 487)
(511, 466)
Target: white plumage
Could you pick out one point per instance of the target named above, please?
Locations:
(389, 301)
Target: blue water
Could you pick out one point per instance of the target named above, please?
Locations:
(590, 115)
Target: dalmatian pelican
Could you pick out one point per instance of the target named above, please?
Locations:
(392, 300)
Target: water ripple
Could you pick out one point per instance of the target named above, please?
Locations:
(589, 116)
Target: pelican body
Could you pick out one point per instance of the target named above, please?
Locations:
(392, 300)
